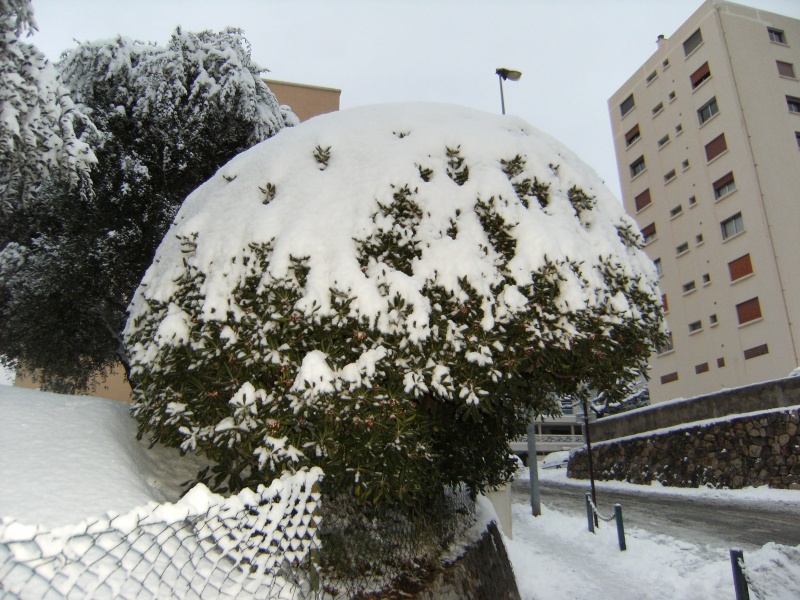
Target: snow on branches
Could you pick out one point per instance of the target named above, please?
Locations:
(395, 316)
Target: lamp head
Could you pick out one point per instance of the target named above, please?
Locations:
(509, 74)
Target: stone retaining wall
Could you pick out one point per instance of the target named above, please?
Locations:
(754, 450)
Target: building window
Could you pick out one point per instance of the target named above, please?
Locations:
(688, 288)
(632, 135)
(785, 69)
(678, 129)
(676, 211)
(665, 64)
(797, 138)
(627, 105)
(649, 233)
(708, 110)
(643, 200)
(706, 278)
(698, 239)
(724, 185)
(747, 311)
(658, 108)
(652, 77)
(713, 320)
(794, 104)
(716, 147)
(669, 176)
(682, 249)
(692, 43)
(659, 267)
(664, 303)
(756, 351)
(695, 326)
(638, 166)
(671, 96)
(733, 226)
(700, 76)
(667, 346)
(741, 267)
(776, 35)
(720, 362)
(663, 141)
(692, 201)
(669, 377)
(701, 368)
(685, 164)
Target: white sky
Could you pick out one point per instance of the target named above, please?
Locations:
(573, 53)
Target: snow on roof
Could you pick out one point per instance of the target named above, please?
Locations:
(321, 207)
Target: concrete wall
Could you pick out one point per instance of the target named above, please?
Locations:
(751, 398)
(306, 101)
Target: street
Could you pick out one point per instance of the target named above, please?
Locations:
(723, 523)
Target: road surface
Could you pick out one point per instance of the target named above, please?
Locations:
(718, 522)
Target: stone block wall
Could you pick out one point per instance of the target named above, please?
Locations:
(754, 450)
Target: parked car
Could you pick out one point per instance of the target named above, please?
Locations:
(556, 460)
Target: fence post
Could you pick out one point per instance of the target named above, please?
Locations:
(739, 580)
(620, 527)
(590, 512)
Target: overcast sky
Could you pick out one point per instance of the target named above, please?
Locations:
(573, 53)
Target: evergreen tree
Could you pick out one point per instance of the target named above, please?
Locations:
(164, 119)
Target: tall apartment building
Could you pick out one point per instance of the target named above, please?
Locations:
(707, 138)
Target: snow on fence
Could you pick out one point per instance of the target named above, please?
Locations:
(253, 545)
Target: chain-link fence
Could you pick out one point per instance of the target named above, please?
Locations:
(280, 541)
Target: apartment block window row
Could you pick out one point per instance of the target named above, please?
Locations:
(793, 103)
(724, 186)
(693, 42)
(708, 110)
(700, 76)
(740, 267)
(643, 200)
(776, 35)
(748, 311)
(732, 226)
(785, 69)
(633, 135)
(638, 166)
(716, 147)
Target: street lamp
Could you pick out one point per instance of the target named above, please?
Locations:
(503, 74)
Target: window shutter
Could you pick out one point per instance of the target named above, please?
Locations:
(716, 147)
(665, 303)
(750, 310)
(643, 200)
(740, 267)
(649, 231)
(703, 73)
(785, 69)
(632, 135)
(723, 181)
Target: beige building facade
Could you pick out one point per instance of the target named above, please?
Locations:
(707, 140)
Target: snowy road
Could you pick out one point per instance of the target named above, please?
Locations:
(721, 522)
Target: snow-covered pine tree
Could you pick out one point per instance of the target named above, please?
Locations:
(391, 310)
(166, 118)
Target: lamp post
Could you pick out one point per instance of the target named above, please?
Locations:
(504, 74)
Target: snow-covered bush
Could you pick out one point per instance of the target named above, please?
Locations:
(387, 293)
(165, 118)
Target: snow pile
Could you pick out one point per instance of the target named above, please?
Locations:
(252, 545)
(355, 161)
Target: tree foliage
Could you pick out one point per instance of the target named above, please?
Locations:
(402, 348)
(163, 120)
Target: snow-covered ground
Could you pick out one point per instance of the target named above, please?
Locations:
(66, 458)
